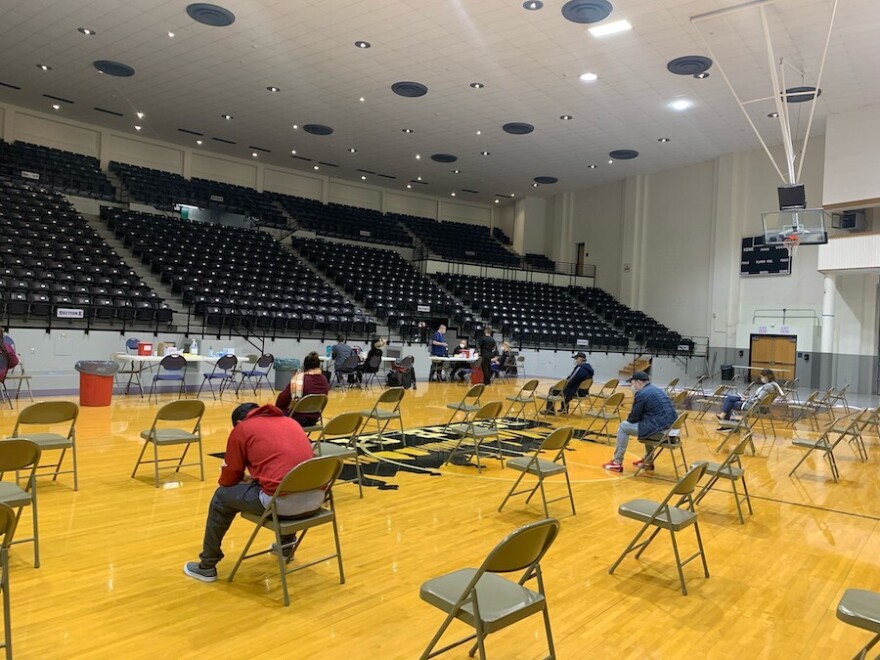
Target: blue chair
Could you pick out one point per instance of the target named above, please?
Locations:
(132, 369)
(224, 371)
(258, 373)
(174, 367)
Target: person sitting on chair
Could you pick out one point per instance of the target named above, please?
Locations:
(339, 354)
(8, 356)
(460, 369)
(376, 347)
(500, 362)
(310, 380)
(739, 402)
(267, 445)
(652, 412)
(582, 371)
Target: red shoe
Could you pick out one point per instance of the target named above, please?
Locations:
(645, 466)
(613, 467)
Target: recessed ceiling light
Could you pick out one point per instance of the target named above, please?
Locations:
(681, 104)
(273, 89)
(227, 117)
(295, 126)
(479, 132)
(610, 162)
(484, 153)
(592, 167)
(565, 117)
(407, 130)
(535, 185)
(254, 154)
(409, 185)
(513, 194)
(418, 178)
(589, 76)
(55, 106)
(497, 201)
(44, 67)
(198, 141)
(418, 156)
(293, 152)
(140, 115)
(316, 167)
(363, 177)
(532, 5)
(662, 139)
(610, 28)
(86, 31)
(452, 194)
(773, 115)
(137, 128)
(456, 171)
(352, 150)
(478, 85)
(702, 75)
(171, 35)
(362, 99)
(362, 44)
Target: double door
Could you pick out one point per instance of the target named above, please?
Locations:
(776, 352)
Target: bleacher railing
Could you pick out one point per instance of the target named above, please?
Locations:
(564, 274)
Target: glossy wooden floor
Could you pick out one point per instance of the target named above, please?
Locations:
(111, 583)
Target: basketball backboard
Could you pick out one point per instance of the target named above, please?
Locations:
(808, 225)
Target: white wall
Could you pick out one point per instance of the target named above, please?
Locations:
(355, 195)
(597, 221)
(852, 158)
(146, 153)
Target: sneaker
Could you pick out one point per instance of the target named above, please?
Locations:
(613, 467)
(548, 412)
(194, 570)
(645, 466)
(724, 429)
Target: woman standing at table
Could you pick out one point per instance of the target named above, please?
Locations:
(308, 381)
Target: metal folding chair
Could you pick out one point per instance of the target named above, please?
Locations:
(553, 446)
(482, 425)
(473, 394)
(160, 435)
(386, 409)
(667, 439)
(523, 398)
(730, 469)
(224, 371)
(258, 374)
(310, 404)
(608, 412)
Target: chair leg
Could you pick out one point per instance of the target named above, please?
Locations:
(338, 551)
(138, 464)
(803, 458)
(75, 468)
(7, 614)
(702, 550)
(201, 460)
(684, 590)
(511, 491)
(736, 499)
(360, 476)
(182, 457)
(35, 521)
(861, 655)
(746, 496)
(156, 462)
(282, 565)
(244, 551)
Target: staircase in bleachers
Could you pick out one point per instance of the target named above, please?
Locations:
(63, 171)
(236, 280)
(380, 280)
(52, 259)
(459, 241)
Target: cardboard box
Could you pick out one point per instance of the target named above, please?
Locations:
(167, 348)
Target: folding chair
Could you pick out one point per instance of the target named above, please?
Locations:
(313, 474)
(371, 370)
(861, 608)
(346, 371)
(224, 371)
(790, 391)
(553, 397)
(48, 413)
(697, 388)
(483, 424)
(555, 445)
(18, 373)
(390, 398)
(311, 404)
(742, 425)
(523, 398)
(473, 394)
(670, 388)
(667, 439)
(765, 412)
(259, 373)
(851, 431)
(663, 515)
(133, 369)
(484, 600)
(346, 427)
(608, 389)
(705, 403)
(809, 409)
(732, 470)
(839, 396)
(16, 455)
(678, 402)
(607, 412)
(161, 436)
(175, 370)
(7, 529)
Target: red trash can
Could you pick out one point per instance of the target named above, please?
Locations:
(96, 382)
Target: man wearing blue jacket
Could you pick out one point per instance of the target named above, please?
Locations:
(652, 412)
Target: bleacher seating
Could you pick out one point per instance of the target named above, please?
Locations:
(342, 221)
(459, 241)
(63, 171)
(501, 236)
(153, 187)
(381, 280)
(538, 262)
(52, 258)
(530, 313)
(236, 278)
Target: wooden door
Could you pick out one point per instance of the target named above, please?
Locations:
(580, 257)
(777, 352)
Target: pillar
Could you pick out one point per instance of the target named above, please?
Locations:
(828, 298)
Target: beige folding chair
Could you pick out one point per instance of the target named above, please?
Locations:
(311, 404)
(838, 396)
(678, 402)
(697, 388)
(17, 374)
(16, 455)
(667, 439)
(7, 529)
(482, 599)
(826, 444)
(523, 398)
(663, 515)
(553, 397)
(670, 388)
(313, 474)
(790, 391)
(608, 389)
(765, 412)
(732, 470)
(345, 427)
(580, 398)
(705, 403)
(861, 608)
(46, 414)
(483, 424)
(608, 412)
(159, 435)
(472, 395)
(809, 409)
(852, 427)
(391, 399)
(554, 445)
(742, 425)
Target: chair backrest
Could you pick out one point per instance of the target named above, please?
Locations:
(522, 548)
(558, 440)
(528, 389)
(678, 423)
(374, 362)
(688, 482)
(475, 392)
(391, 395)
(131, 344)
(613, 402)
(345, 424)
(310, 404)
(18, 454)
(611, 384)
(181, 410)
(720, 391)
(702, 379)
(679, 398)
(489, 410)
(8, 521)
(173, 363)
(560, 385)
(350, 363)
(585, 385)
(672, 384)
(226, 363)
(406, 363)
(47, 412)
(265, 361)
(313, 474)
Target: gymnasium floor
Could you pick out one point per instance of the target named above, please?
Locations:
(111, 581)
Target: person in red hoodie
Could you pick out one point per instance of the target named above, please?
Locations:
(267, 444)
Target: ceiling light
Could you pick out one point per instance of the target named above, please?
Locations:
(316, 167)
(273, 89)
(293, 152)
(681, 104)
(452, 194)
(171, 35)
(456, 171)
(362, 44)
(295, 126)
(773, 115)
(55, 106)
(44, 67)
(227, 117)
(86, 31)
(407, 130)
(479, 132)
(363, 177)
(497, 201)
(513, 194)
(535, 185)
(592, 167)
(610, 28)
(418, 178)
(137, 128)
(702, 75)
(532, 5)
(418, 157)
(565, 117)
(362, 99)
(478, 85)
(589, 76)
(254, 154)
(140, 115)
(198, 141)
(351, 150)
(662, 139)
(484, 153)
(409, 185)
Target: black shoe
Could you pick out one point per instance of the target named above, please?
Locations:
(724, 429)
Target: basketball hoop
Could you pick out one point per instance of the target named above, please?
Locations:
(791, 243)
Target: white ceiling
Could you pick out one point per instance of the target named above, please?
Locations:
(530, 62)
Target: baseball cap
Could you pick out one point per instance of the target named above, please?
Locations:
(579, 355)
(639, 375)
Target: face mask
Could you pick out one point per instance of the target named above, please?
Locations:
(763, 379)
